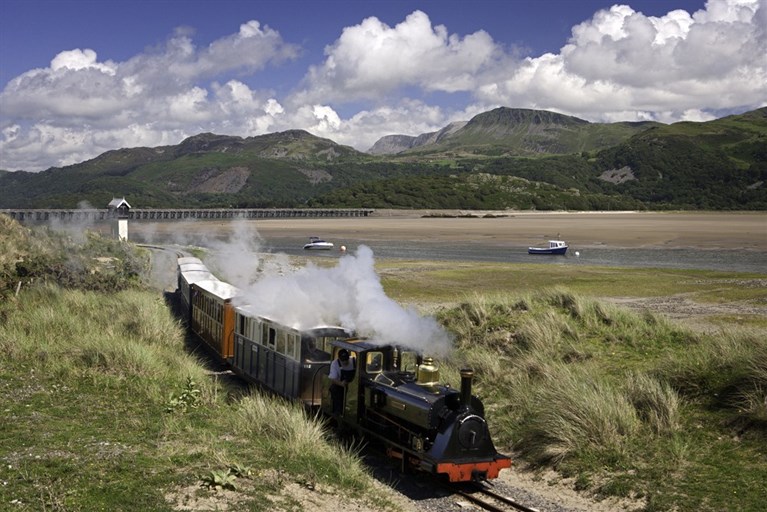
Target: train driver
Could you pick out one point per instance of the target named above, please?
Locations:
(341, 373)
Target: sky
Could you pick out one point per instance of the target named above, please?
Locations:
(81, 77)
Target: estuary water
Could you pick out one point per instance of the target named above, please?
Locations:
(702, 259)
(730, 242)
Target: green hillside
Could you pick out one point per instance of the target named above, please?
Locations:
(563, 163)
(523, 132)
(713, 165)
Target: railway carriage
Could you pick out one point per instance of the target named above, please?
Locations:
(190, 271)
(282, 359)
(212, 315)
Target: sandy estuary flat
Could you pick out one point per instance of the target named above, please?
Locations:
(716, 230)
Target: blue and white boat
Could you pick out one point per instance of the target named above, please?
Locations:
(316, 243)
(555, 247)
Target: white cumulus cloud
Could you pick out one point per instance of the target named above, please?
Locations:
(376, 79)
(623, 64)
(372, 60)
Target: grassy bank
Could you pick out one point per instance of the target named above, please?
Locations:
(624, 403)
(627, 404)
(105, 408)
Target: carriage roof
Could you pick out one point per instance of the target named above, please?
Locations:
(220, 289)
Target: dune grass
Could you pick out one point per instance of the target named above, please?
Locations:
(626, 403)
(104, 409)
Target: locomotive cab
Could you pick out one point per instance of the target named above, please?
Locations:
(349, 396)
(371, 363)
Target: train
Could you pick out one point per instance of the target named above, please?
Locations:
(394, 396)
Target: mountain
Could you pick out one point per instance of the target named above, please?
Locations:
(277, 169)
(501, 159)
(391, 144)
(700, 165)
(513, 132)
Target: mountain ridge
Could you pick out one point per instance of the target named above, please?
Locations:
(498, 159)
(513, 131)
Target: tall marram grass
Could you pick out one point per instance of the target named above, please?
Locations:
(73, 333)
(288, 435)
(656, 402)
(571, 411)
(730, 371)
(618, 399)
(542, 355)
(81, 366)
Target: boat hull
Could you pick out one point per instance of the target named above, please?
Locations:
(546, 250)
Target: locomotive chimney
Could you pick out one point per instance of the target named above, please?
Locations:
(467, 374)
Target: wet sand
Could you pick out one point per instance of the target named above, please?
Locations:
(704, 230)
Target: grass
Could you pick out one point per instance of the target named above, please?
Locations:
(628, 404)
(444, 283)
(421, 280)
(103, 409)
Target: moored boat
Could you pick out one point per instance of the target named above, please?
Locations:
(555, 247)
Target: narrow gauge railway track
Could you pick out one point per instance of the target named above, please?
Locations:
(487, 499)
(177, 252)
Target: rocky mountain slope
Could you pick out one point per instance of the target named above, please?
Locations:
(513, 131)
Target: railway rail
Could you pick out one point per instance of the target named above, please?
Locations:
(487, 499)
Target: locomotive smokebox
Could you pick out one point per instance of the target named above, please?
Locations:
(467, 375)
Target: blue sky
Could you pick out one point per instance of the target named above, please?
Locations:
(78, 78)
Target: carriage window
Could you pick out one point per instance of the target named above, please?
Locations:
(282, 342)
(407, 362)
(374, 362)
(295, 347)
(271, 339)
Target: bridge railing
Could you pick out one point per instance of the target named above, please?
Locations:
(81, 215)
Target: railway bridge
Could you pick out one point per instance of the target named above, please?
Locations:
(169, 214)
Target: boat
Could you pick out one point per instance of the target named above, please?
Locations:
(555, 247)
(318, 244)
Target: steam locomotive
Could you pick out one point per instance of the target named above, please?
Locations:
(394, 396)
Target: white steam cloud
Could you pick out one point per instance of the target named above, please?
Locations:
(349, 294)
